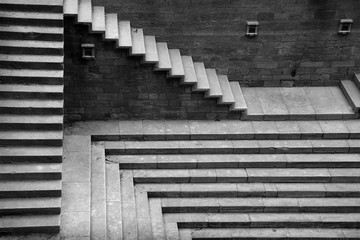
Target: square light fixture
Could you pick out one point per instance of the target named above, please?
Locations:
(345, 26)
(88, 50)
(252, 28)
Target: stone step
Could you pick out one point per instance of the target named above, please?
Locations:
(34, 3)
(232, 147)
(31, 154)
(357, 80)
(30, 224)
(31, 73)
(227, 95)
(33, 44)
(352, 93)
(138, 42)
(271, 233)
(98, 19)
(31, 106)
(125, 40)
(264, 220)
(251, 190)
(25, 206)
(189, 70)
(29, 189)
(239, 104)
(36, 6)
(21, 91)
(32, 122)
(28, 171)
(193, 161)
(151, 55)
(177, 68)
(164, 63)
(111, 27)
(31, 29)
(31, 58)
(31, 138)
(84, 15)
(71, 7)
(31, 18)
(201, 76)
(251, 175)
(215, 89)
(260, 205)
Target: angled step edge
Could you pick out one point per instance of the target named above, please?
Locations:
(202, 84)
(227, 95)
(98, 19)
(151, 55)
(125, 40)
(352, 93)
(84, 12)
(177, 68)
(138, 42)
(189, 69)
(215, 89)
(111, 26)
(357, 80)
(240, 103)
(164, 63)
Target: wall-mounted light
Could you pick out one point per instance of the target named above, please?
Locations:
(252, 28)
(88, 50)
(345, 26)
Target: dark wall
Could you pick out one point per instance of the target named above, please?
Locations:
(297, 40)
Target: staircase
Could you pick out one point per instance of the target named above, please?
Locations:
(31, 115)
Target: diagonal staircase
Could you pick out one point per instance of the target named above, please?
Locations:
(31, 115)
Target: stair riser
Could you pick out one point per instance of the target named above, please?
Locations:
(31, 126)
(32, 51)
(268, 225)
(45, 229)
(21, 142)
(31, 36)
(30, 95)
(34, 176)
(34, 8)
(30, 194)
(33, 211)
(31, 111)
(260, 209)
(31, 159)
(31, 65)
(31, 80)
(32, 22)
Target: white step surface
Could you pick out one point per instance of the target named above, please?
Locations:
(202, 79)
(138, 43)
(30, 151)
(227, 96)
(31, 88)
(31, 119)
(164, 57)
(37, 2)
(177, 68)
(31, 58)
(125, 40)
(215, 89)
(31, 44)
(31, 73)
(71, 7)
(27, 103)
(23, 168)
(85, 12)
(151, 55)
(98, 19)
(240, 104)
(352, 93)
(111, 26)
(31, 135)
(31, 15)
(32, 29)
(190, 74)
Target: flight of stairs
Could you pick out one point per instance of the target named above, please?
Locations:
(31, 115)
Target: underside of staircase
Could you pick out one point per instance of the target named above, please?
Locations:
(290, 170)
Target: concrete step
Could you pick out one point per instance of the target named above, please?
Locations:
(215, 89)
(25, 206)
(227, 95)
(71, 7)
(125, 40)
(138, 42)
(31, 138)
(251, 190)
(30, 224)
(189, 70)
(98, 19)
(352, 93)
(32, 122)
(164, 63)
(34, 3)
(177, 68)
(36, 6)
(84, 15)
(201, 76)
(21, 91)
(31, 18)
(151, 55)
(111, 27)
(32, 44)
(31, 73)
(30, 154)
(31, 58)
(357, 80)
(260, 205)
(30, 188)
(212, 161)
(31, 106)
(28, 171)
(31, 29)
(239, 104)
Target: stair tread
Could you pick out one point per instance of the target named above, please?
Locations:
(151, 55)
(215, 89)
(164, 57)
(202, 79)
(31, 29)
(98, 19)
(138, 42)
(111, 26)
(31, 44)
(31, 88)
(31, 103)
(125, 39)
(227, 95)
(177, 68)
(31, 58)
(71, 7)
(27, 185)
(31, 119)
(189, 70)
(342, 101)
(30, 151)
(85, 12)
(31, 15)
(353, 93)
(29, 221)
(34, 2)
(30, 168)
(31, 135)
(240, 104)
(31, 73)
(28, 203)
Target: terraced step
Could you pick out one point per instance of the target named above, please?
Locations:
(31, 138)
(30, 188)
(36, 6)
(26, 224)
(31, 122)
(24, 171)
(30, 154)
(352, 93)
(21, 91)
(31, 18)
(36, 206)
(31, 107)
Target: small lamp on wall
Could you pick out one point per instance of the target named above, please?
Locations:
(88, 50)
(345, 26)
(252, 28)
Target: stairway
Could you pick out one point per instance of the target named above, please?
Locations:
(31, 115)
